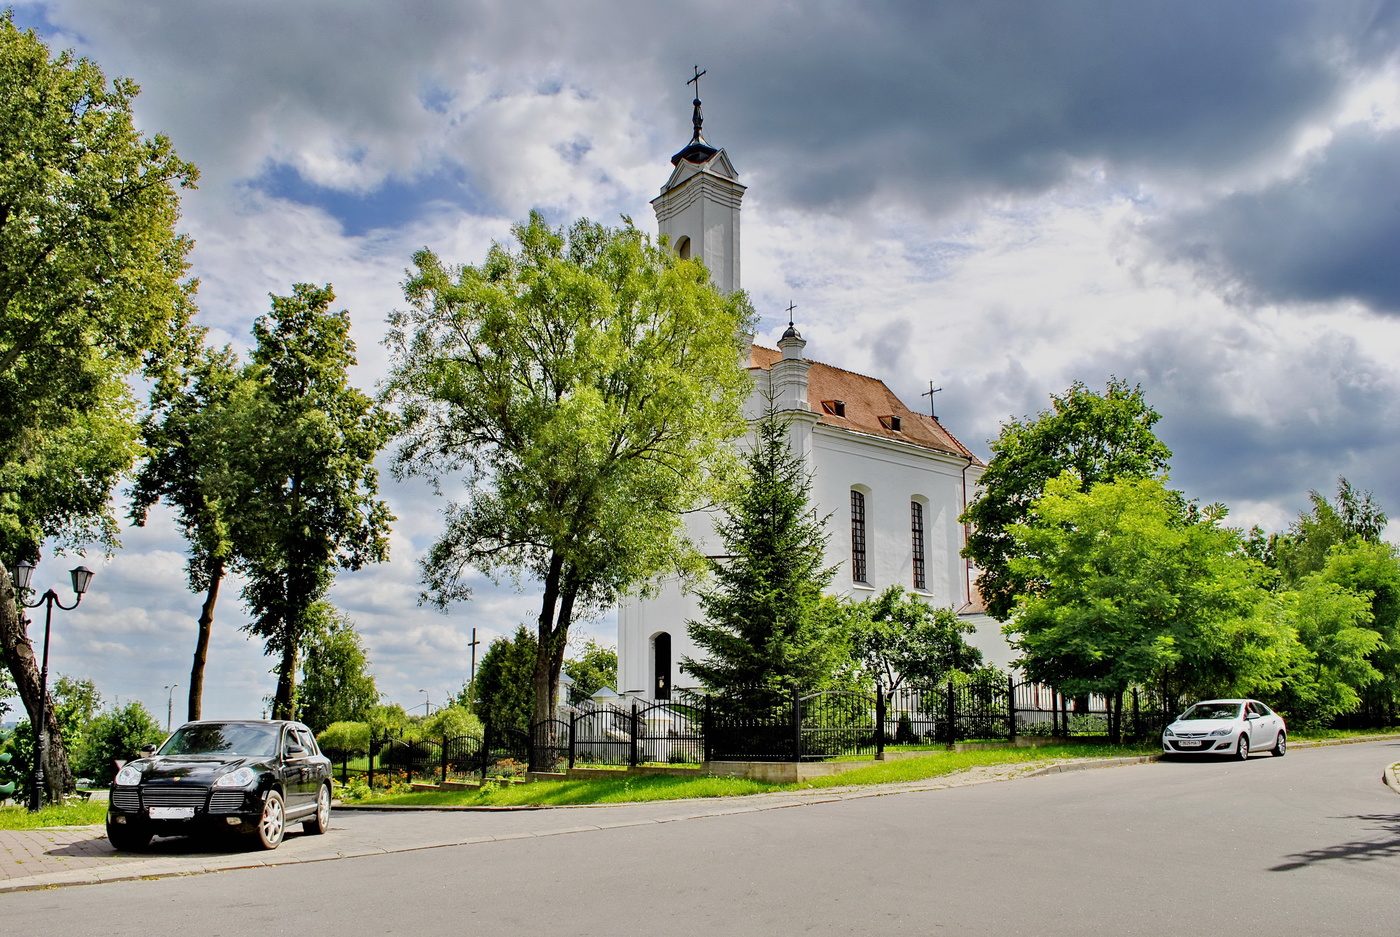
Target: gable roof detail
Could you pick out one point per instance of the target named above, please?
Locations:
(868, 406)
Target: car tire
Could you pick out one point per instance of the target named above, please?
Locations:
(1242, 749)
(132, 836)
(1280, 746)
(320, 821)
(272, 825)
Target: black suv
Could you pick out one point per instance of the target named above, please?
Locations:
(249, 776)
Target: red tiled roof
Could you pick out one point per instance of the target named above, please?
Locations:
(866, 399)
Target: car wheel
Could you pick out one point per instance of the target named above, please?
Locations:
(272, 825)
(1242, 750)
(320, 821)
(1280, 746)
(131, 836)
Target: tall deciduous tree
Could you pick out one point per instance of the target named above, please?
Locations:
(190, 436)
(306, 484)
(898, 637)
(588, 386)
(1097, 437)
(1125, 586)
(91, 289)
(336, 685)
(767, 631)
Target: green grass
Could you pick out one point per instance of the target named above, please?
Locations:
(1322, 734)
(79, 814)
(639, 789)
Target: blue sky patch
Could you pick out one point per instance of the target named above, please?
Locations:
(393, 204)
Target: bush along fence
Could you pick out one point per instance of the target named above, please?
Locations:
(694, 727)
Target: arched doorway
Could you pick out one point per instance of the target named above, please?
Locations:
(661, 656)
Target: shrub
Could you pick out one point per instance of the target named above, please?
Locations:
(112, 736)
(345, 739)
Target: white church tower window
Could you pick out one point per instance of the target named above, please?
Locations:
(916, 531)
(858, 564)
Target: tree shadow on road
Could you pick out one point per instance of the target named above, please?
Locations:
(1355, 851)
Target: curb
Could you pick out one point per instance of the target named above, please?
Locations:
(1388, 777)
(1092, 765)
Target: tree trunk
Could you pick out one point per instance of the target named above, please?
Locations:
(201, 645)
(547, 689)
(19, 657)
(282, 704)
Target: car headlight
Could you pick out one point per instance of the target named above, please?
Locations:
(128, 776)
(243, 777)
(1168, 732)
(1221, 731)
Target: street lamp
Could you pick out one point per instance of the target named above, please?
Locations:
(427, 704)
(24, 574)
(169, 706)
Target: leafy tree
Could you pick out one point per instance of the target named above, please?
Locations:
(306, 484)
(593, 669)
(1352, 516)
(344, 739)
(586, 384)
(189, 435)
(117, 734)
(388, 719)
(899, 637)
(1096, 437)
(335, 683)
(91, 290)
(451, 721)
(502, 695)
(767, 631)
(75, 703)
(1332, 626)
(1124, 586)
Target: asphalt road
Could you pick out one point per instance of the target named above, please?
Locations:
(1308, 844)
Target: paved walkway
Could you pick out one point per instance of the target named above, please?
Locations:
(81, 855)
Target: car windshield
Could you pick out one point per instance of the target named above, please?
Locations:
(231, 738)
(1213, 711)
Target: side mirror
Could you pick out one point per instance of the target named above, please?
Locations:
(1252, 716)
(297, 751)
(148, 750)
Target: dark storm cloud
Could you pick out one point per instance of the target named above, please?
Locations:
(1331, 234)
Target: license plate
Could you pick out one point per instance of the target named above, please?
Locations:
(1190, 744)
(172, 813)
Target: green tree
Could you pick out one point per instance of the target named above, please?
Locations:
(92, 289)
(767, 631)
(502, 695)
(1097, 437)
(189, 435)
(1352, 516)
(336, 685)
(1332, 625)
(306, 484)
(116, 734)
(587, 386)
(594, 668)
(342, 741)
(1125, 586)
(899, 637)
(451, 722)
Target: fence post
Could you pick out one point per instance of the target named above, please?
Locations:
(444, 760)
(371, 761)
(1137, 716)
(952, 714)
(485, 753)
(796, 726)
(706, 729)
(1010, 708)
(879, 720)
(573, 721)
(632, 737)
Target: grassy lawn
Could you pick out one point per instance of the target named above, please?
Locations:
(637, 789)
(79, 814)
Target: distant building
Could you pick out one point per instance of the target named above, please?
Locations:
(894, 481)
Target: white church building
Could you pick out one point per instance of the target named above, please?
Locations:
(893, 481)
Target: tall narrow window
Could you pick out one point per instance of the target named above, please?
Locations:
(916, 527)
(661, 645)
(858, 536)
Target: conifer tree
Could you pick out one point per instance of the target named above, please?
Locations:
(767, 631)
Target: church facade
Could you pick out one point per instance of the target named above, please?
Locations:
(893, 481)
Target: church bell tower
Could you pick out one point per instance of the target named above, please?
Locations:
(698, 208)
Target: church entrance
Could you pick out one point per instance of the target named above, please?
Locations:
(661, 652)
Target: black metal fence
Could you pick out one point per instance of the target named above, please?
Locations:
(694, 727)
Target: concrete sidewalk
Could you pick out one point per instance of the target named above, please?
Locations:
(81, 855)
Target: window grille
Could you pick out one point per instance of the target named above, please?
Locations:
(858, 536)
(916, 524)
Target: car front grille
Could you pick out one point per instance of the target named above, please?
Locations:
(174, 796)
(226, 802)
(1205, 746)
(127, 800)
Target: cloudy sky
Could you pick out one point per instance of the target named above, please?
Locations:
(1003, 197)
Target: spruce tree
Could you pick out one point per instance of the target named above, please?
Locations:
(767, 631)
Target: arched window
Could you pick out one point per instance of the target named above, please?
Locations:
(916, 529)
(683, 248)
(858, 569)
(661, 654)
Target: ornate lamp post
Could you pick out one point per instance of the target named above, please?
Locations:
(24, 574)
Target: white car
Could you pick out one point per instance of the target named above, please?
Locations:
(1226, 727)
